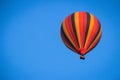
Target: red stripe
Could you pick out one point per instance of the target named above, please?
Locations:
(81, 28)
(67, 27)
(82, 21)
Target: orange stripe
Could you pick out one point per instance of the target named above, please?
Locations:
(76, 18)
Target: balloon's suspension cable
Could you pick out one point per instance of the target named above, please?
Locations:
(82, 57)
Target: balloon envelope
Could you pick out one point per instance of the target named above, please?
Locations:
(81, 32)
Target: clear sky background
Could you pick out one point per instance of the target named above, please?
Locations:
(31, 47)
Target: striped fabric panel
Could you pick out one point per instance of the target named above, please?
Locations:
(95, 41)
(67, 41)
(81, 32)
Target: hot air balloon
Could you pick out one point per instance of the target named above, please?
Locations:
(81, 32)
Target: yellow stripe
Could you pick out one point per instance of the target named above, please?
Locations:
(99, 34)
(76, 18)
(90, 29)
(65, 30)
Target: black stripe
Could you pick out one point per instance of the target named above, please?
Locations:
(95, 35)
(87, 27)
(62, 31)
(73, 27)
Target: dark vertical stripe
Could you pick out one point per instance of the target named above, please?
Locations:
(87, 26)
(73, 26)
(95, 35)
(66, 38)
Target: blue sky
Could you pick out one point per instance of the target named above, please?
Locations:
(31, 47)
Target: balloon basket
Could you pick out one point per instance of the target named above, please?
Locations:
(82, 57)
